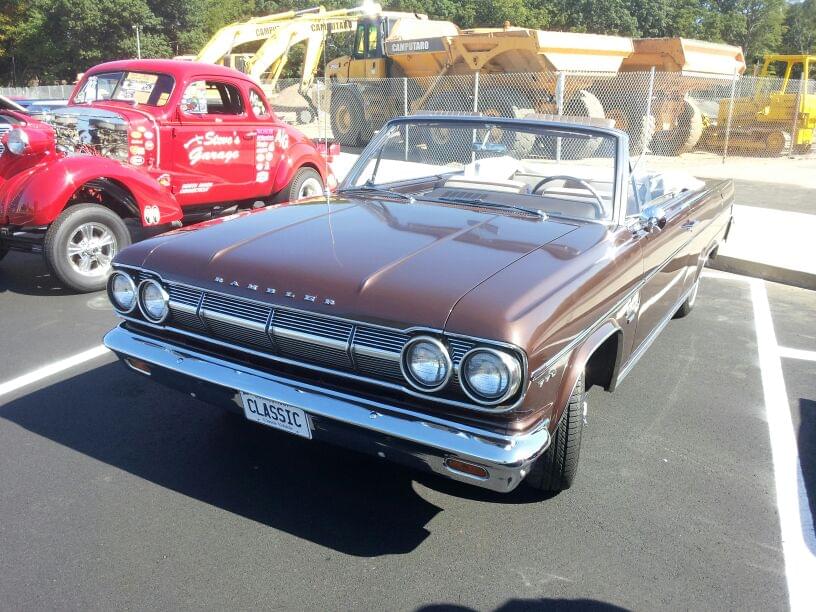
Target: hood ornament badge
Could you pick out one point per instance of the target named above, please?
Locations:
(309, 297)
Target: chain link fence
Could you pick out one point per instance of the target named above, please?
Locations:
(665, 114)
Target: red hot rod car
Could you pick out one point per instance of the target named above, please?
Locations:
(153, 143)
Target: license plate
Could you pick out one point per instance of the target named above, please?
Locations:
(276, 414)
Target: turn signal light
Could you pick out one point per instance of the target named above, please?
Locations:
(471, 469)
(137, 364)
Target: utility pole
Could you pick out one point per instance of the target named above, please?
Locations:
(138, 29)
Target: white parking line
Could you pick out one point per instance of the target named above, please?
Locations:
(53, 368)
(795, 519)
(792, 353)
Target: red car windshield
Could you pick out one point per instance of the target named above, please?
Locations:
(149, 88)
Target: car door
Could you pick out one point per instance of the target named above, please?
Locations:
(213, 144)
(664, 267)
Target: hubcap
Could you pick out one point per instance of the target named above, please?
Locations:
(343, 119)
(311, 187)
(91, 248)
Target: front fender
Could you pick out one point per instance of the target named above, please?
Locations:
(577, 362)
(42, 195)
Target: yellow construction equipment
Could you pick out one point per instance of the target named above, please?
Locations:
(407, 45)
(779, 117)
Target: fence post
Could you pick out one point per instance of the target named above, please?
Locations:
(405, 113)
(730, 115)
(649, 95)
(797, 109)
(560, 82)
(476, 93)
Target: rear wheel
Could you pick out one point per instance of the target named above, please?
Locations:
(346, 117)
(634, 122)
(507, 103)
(686, 133)
(305, 184)
(555, 470)
(582, 104)
(687, 306)
(81, 243)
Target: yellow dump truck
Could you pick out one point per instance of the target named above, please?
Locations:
(427, 51)
(675, 122)
(779, 116)
(520, 64)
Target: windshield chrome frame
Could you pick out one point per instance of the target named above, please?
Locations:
(620, 138)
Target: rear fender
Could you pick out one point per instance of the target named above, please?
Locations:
(299, 155)
(41, 198)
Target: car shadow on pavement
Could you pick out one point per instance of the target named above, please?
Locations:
(544, 603)
(807, 450)
(27, 274)
(352, 503)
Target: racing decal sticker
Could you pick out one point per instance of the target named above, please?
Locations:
(137, 160)
(151, 215)
(267, 141)
(195, 187)
(213, 147)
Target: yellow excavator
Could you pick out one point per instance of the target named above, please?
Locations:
(260, 47)
(779, 116)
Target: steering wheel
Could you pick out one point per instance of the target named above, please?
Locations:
(599, 207)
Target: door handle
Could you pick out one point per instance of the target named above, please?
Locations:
(249, 135)
(689, 225)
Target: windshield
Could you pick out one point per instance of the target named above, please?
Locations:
(136, 87)
(560, 172)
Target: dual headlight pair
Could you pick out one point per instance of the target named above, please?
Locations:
(488, 376)
(149, 296)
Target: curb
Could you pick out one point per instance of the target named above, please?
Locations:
(796, 278)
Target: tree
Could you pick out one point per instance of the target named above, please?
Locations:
(800, 28)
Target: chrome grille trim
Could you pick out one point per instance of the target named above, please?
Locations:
(365, 352)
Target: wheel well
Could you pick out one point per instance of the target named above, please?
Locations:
(601, 365)
(108, 193)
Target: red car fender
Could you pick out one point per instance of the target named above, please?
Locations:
(41, 198)
(298, 155)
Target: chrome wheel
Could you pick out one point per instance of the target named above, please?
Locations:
(310, 187)
(91, 248)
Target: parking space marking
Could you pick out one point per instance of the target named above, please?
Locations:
(792, 353)
(53, 368)
(795, 519)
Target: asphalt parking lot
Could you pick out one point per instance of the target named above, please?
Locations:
(115, 493)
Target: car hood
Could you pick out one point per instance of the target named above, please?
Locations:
(395, 263)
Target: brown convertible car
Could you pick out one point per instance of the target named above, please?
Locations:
(449, 307)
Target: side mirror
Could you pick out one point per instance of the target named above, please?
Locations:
(653, 218)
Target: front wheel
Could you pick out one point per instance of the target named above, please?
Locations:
(555, 470)
(81, 243)
(306, 183)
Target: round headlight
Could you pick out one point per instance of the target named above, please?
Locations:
(17, 141)
(153, 301)
(426, 364)
(122, 292)
(489, 376)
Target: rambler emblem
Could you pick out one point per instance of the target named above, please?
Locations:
(307, 297)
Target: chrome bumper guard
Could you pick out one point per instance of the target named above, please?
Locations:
(386, 431)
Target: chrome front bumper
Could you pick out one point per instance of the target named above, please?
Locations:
(386, 431)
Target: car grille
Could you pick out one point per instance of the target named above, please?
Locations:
(373, 352)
